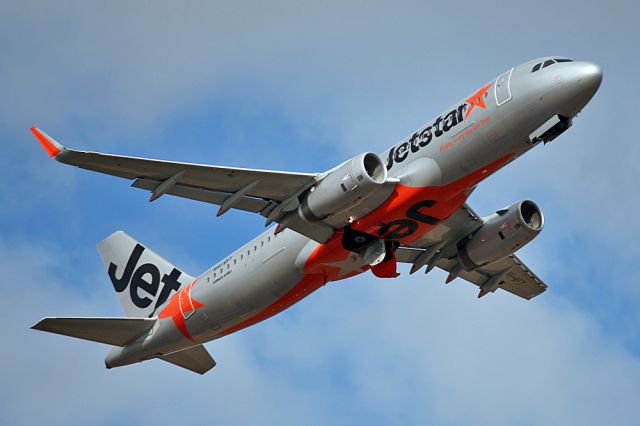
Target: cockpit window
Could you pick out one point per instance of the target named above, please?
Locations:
(548, 62)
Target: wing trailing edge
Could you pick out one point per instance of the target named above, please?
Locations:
(265, 192)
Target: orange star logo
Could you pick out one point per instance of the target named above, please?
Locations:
(477, 100)
(178, 308)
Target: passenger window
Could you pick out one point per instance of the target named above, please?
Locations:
(255, 248)
(536, 67)
(262, 243)
(547, 63)
(235, 261)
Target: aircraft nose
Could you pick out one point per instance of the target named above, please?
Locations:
(582, 82)
(589, 77)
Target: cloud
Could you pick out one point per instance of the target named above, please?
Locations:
(66, 379)
(437, 354)
(373, 350)
(113, 69)
(287, 85)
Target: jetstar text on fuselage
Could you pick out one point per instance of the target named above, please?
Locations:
(441, 125)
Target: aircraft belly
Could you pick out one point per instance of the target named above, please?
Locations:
(252, 286)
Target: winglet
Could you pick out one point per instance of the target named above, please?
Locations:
(49, 144)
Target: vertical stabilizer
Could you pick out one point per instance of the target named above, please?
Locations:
(142, 279)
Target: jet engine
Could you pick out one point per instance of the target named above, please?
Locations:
(502, 234)
(344, 187)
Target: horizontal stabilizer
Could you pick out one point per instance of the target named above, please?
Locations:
(112, 331)
(196, 359)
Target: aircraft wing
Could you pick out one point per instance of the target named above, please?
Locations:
(440, 246)
(269, 193)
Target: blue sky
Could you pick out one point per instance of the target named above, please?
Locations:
(292, 86)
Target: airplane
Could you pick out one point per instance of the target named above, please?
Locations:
(405, 205)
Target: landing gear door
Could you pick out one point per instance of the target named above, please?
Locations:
(503, 88)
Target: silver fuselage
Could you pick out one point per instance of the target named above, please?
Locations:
(249, 283)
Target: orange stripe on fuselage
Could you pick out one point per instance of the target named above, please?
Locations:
(448, 199)
(317, 272)
(302, 289)
(178, 306)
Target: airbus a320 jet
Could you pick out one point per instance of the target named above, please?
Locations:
(406, 205)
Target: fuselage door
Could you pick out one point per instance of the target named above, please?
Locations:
(503, 88)
(186, 304)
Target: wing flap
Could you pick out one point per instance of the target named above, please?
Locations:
(246, 203)
(515, 278)
(522, 281)
(253, 190)
(518, 279)
(196, 359)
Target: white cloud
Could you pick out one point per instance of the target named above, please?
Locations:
(405, 351)
(111, 68)
(408, 350)
(48, 379)
(441, 354)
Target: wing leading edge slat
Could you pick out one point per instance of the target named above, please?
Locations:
(273, 185)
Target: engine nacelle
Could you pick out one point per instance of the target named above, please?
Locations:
(502, 234)
(347, 186)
